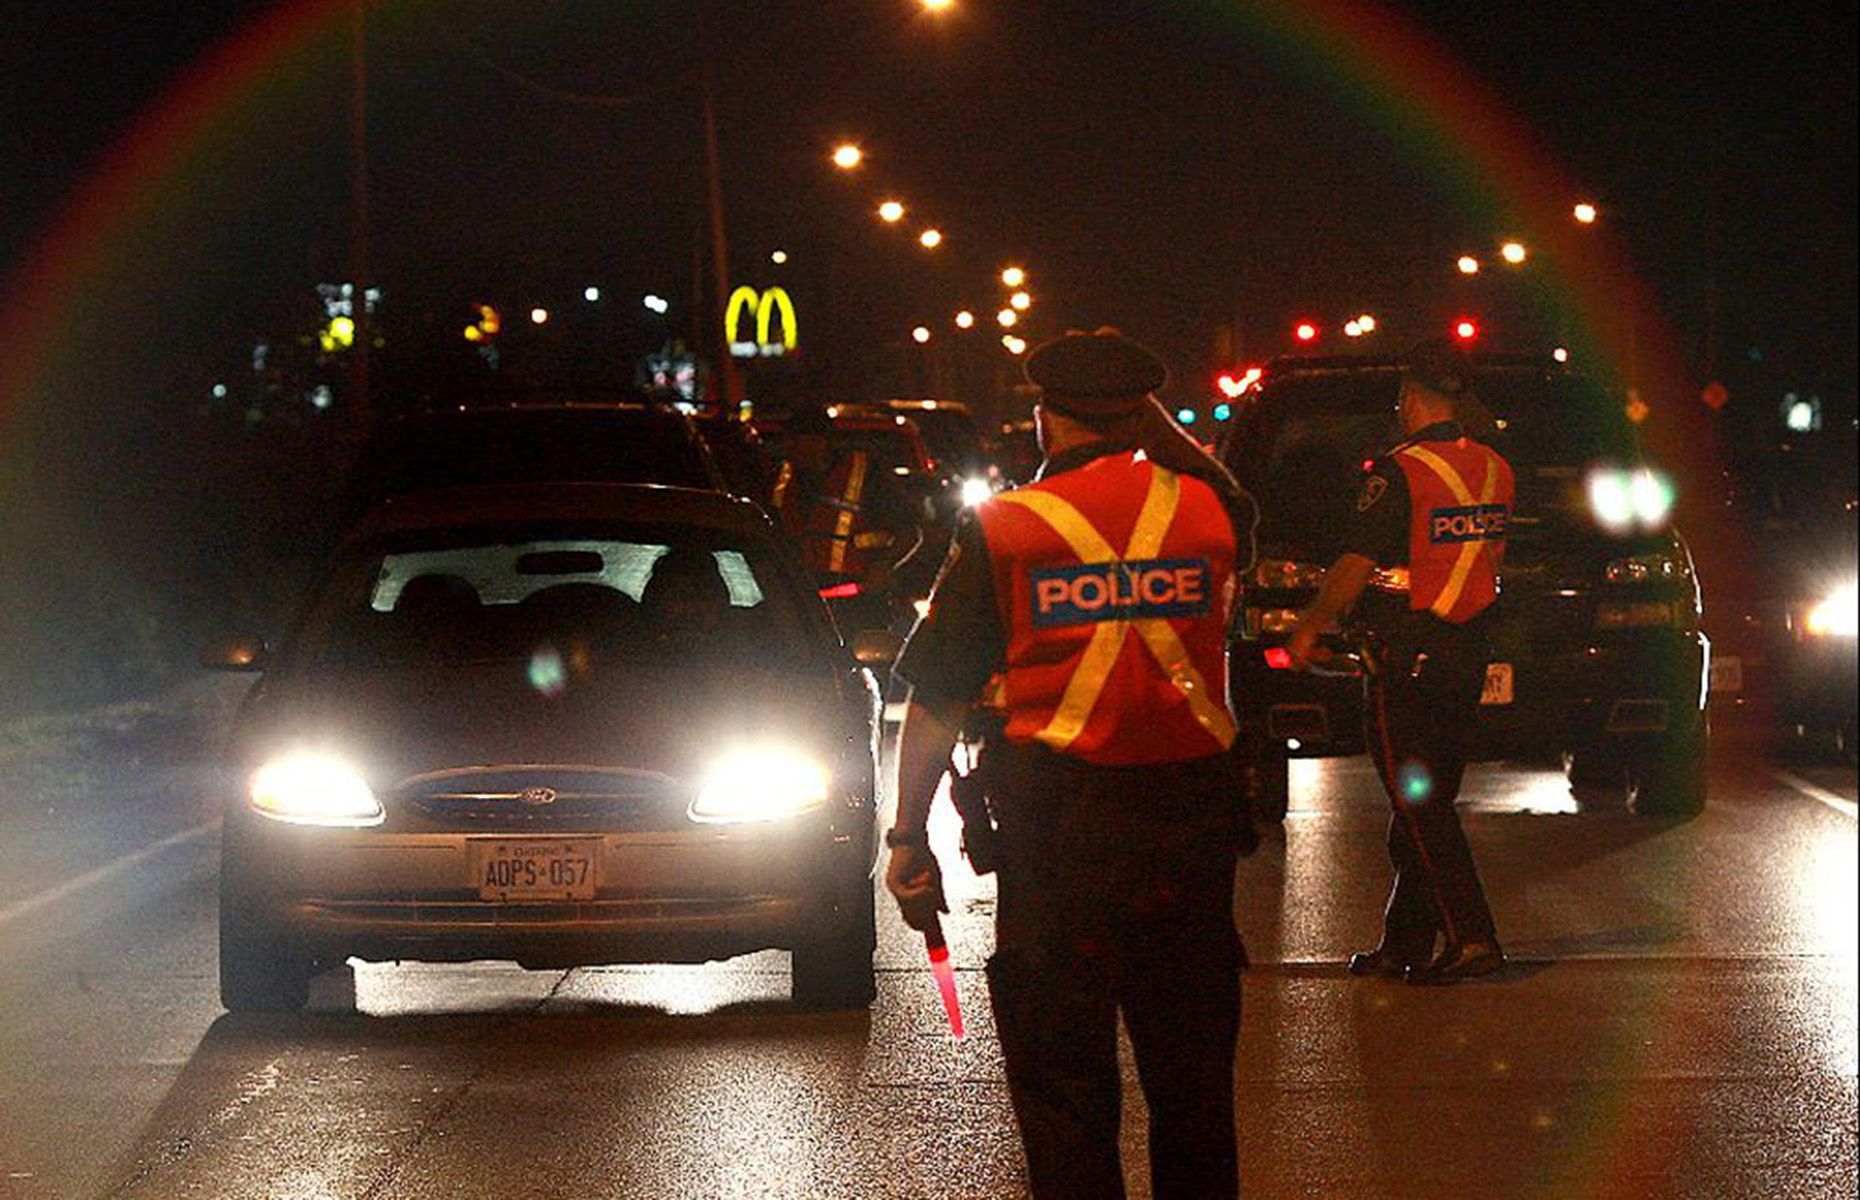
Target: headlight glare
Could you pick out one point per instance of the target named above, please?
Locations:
(1837, 615)
(314, 789)
(1626, 501)
(975, 490)
(761, 784)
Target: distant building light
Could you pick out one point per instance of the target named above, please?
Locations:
(321, 397)
(219, 391)
(658, 304)
(539, 315)
(1468, 265)
(778, 257)
(1561, 354)
(591, 294)
(1802, 415)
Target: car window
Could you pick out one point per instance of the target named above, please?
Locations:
(648, 597)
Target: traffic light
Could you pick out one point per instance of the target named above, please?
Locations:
(1223, 412)
(1185, 415)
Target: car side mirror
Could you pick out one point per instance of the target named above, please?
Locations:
(876, 648)
(234, 652)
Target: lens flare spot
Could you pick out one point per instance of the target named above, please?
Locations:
(548, 673)
(1414, 781)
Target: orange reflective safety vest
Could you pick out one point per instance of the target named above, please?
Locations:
(1460, 495)
(836, 535)
(1115, 583)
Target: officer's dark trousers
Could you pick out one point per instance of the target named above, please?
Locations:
(1420, 702)
(1116, 894)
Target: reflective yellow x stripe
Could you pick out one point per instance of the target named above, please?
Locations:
(842, 525)
(1107, 640)
(1469, 553)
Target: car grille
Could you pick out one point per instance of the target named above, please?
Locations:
(541, 796)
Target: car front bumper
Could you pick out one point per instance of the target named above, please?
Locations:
(663, 896)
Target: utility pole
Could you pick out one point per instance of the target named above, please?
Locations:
(361, 411)
(712, 314)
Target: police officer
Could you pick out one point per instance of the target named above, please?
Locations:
(1094, 605)
(1428, 541)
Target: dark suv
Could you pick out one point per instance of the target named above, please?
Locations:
(1597, 657)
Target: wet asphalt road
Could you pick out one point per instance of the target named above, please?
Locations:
(1680, 1020)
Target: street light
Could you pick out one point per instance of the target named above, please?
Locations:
(847, 156)
(891, 212)
(1007, 318)
(965, 319)
(921, 334)
(1585, 213)
(778, 257)
(591, 294)
(1014, 345)
(1512, 252)
(1021, 301)
(538, 315)
(1013, 277)
(1468, 265)
(931, 238)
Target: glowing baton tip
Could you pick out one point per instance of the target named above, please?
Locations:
(945, 975)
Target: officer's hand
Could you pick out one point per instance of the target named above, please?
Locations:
(1302, 646)
(916, 883)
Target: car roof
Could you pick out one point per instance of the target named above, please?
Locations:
(481, 504)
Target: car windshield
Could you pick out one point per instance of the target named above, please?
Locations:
(564, 599)
(1302, 448)
(518, 446)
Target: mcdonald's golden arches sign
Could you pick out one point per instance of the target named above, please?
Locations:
(768, 307)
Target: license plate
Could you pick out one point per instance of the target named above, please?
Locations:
(536, 869)
(1497, 688)
(1727, 673)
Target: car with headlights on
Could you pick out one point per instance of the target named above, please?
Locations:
(559, 724)
(1597, 655)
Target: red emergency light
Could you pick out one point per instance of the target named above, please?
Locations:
(1279, 658)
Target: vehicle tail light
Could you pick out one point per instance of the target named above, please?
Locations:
(841, 591)
(1279, 658)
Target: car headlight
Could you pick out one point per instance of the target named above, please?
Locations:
(314, 789)
(1836, 615)
(1648, 568)
(975, 490)
(761, 784)
(1626, 501)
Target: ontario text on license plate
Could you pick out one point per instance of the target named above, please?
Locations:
(1497, 684)
(536, 868)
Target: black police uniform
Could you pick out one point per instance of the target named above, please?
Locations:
(1115, 893)
(1421, 695)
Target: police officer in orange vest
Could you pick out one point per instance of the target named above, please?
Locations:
(1094, 605)
(1428, 544)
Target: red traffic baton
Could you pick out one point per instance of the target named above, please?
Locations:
(938, 951)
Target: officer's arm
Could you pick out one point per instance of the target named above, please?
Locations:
(929, 734)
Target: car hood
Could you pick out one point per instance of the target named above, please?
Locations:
(396, 723)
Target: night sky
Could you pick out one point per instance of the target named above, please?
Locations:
(1155, 165)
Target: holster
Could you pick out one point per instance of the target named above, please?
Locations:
(968, 791)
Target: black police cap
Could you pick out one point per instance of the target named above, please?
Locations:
(1439, 366)
(1102, 374)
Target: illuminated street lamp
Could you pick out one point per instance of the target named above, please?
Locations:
(1305, 331)
(1512, 252)
(1007, 318)
(591, 294)
(1020, 301)
(847, 156)
(891, 212)
(1366, 323)
(1468, 265)
(965, 319)
(938, 6)
(778, 257)
(1585, 213)
(538, 315)
(930, 238)
(1013, 277)
(1014, 345)
(921, 334)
